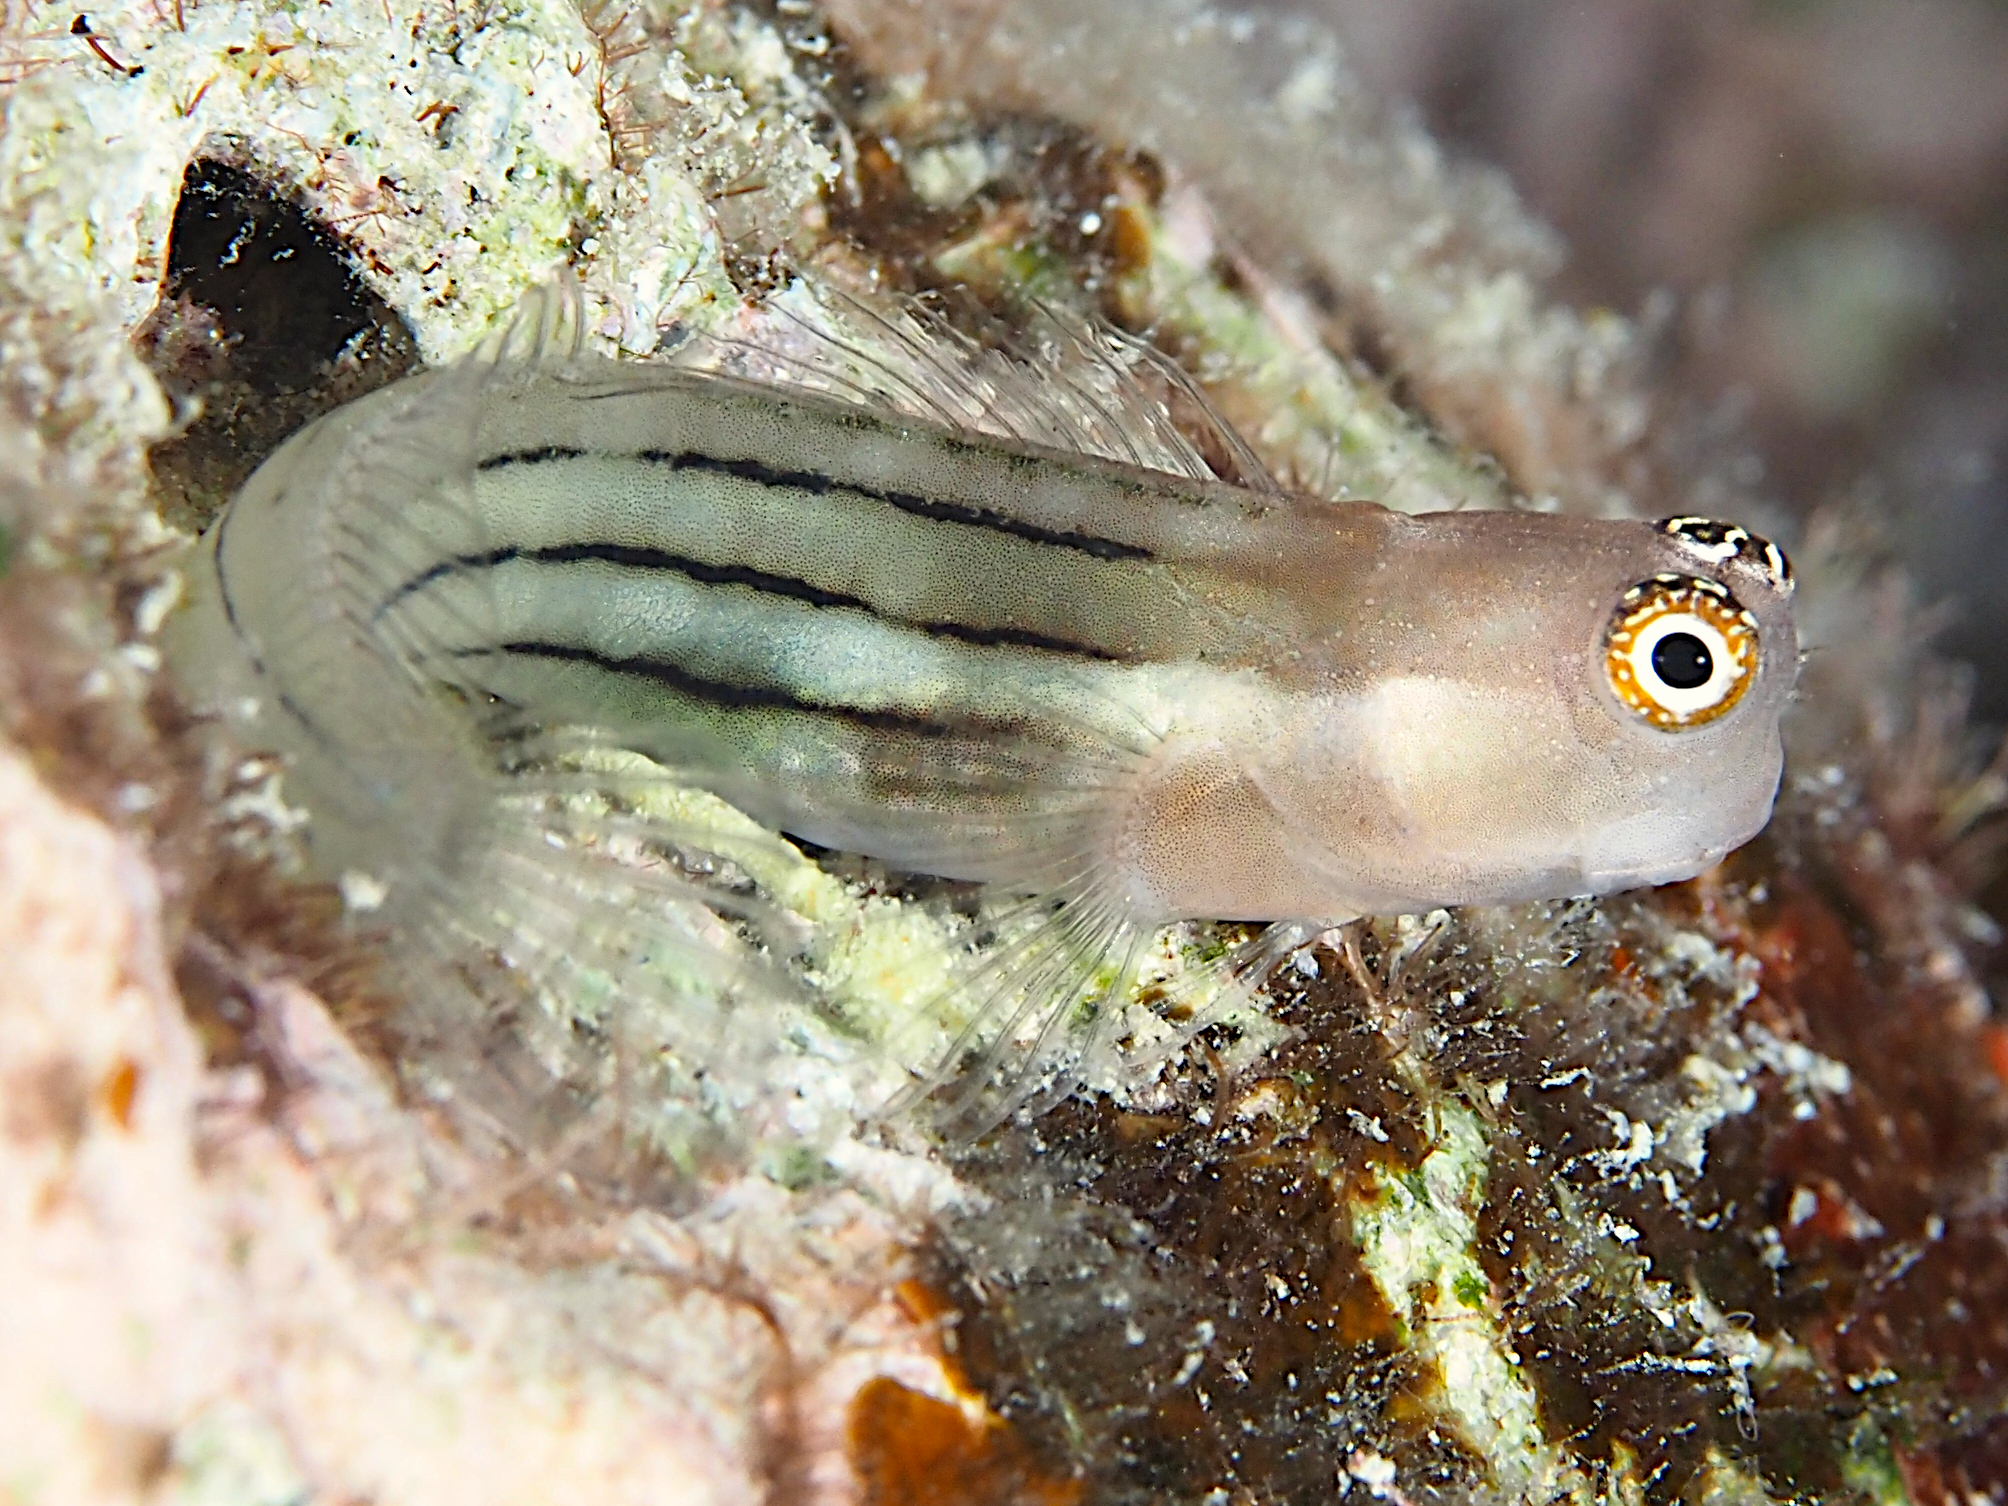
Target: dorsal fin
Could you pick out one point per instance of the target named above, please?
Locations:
(546, 329)
(1058, 381)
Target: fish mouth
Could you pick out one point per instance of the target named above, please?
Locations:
(1613, 878)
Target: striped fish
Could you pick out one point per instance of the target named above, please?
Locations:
(1134, 694)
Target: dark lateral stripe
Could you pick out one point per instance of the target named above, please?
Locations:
(632, 557)
(719, 692)
(530, 457)
(912, 503)
(818, 484)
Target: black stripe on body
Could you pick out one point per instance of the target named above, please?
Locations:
(818, 484)
(530, 457)
(721, 693)
(635, 557)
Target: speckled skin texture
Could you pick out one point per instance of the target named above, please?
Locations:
(1275, 707)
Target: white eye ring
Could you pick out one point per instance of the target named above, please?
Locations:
(1726, 670)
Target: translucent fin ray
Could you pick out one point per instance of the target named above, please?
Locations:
(1063, 383)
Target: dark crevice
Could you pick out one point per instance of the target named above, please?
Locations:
(263, 321)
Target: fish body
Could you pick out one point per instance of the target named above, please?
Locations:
(1061, 661)
(1001, 663)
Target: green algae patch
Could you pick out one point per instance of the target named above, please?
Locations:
(1871, 1469)
(1417, 1233)
(1321, 423)
(901, 977)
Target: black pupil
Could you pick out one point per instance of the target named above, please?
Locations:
(1682, 661)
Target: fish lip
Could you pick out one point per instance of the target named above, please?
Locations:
(1652, 876)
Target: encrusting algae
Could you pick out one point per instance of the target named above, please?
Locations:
(1672, 1195)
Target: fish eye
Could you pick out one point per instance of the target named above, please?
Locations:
(1680, 651)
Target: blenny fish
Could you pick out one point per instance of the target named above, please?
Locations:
(1121, 686)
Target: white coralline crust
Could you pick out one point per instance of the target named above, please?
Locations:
(466, 153)
(209, 1295)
